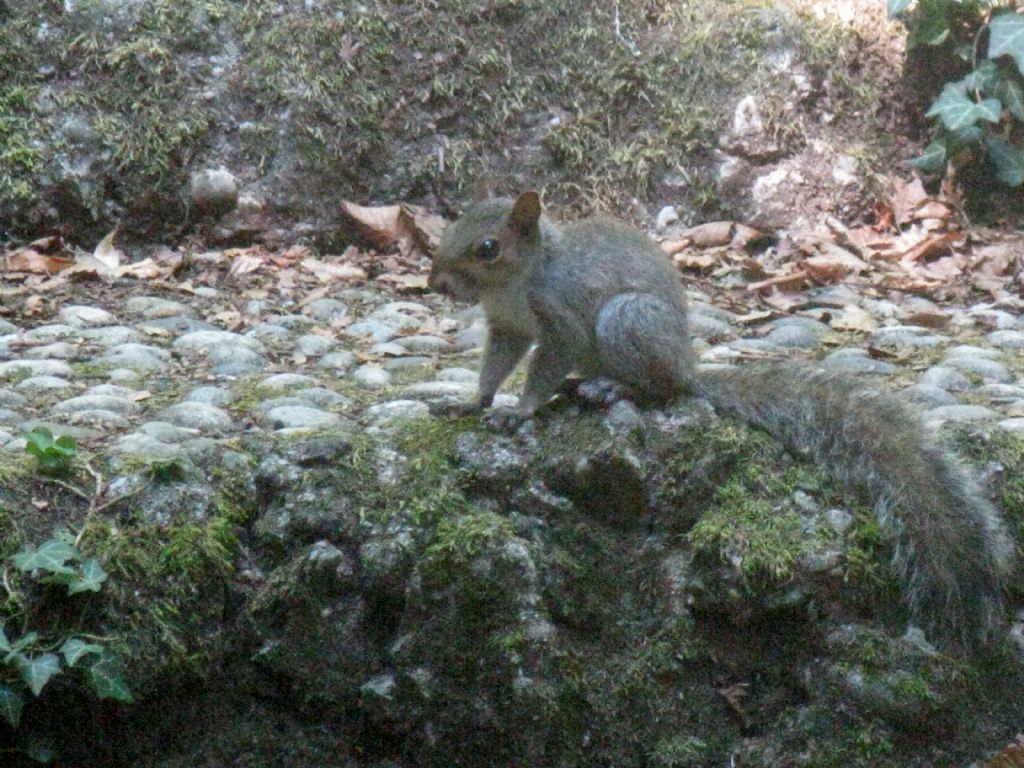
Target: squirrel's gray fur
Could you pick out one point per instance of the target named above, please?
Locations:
(599, 298)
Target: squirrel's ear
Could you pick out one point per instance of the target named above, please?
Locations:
(483, 188)
(525, 213)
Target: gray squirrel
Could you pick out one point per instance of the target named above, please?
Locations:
(600, 299)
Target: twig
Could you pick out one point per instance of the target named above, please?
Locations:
(630, 46)
(67, 487)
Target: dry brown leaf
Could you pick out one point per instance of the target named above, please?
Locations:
(428, 226)
(905, 199)
(942, 269)
(928, 319)
(734, 696)
(333, 272)
(244, 261)
(383, 225)
(792, 280)
(106, 253)
(698, 262)
(755, 317)
(784, 302)
(406, 283)
(932, 245)
(30, 260)
(833, 266)
(1010, 757)
(294, 255)
(854, 318)
(933, 209)
(711, 233)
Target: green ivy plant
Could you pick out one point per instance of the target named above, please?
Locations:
(28, 661)
(985, 109)
(54, 454)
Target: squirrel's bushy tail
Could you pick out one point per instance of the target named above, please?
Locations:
(953, 553)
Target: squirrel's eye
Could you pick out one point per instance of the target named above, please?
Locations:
(488, 250)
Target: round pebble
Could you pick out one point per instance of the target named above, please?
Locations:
(962, 413)
(208, 395)
(371, 377)
(299, 417)
(945, 378)
(337, 362)
(151, 307)
(396, 410)
(314, 345)
(86, 317)
(207, 341)
(197, 416)
(856, 361)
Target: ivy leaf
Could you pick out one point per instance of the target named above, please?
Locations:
(933, 159)
(37, 671)
(11, 704)
(972, 134)
(896, 7)
(1006, 36)
(73, 649)
(1011, 94)
(984, 78)
(41, 750)
(51, 556)
(957, 111)
(107, 677)
(1008, 160)
(91, 578)
(22, 643)
(933, 25)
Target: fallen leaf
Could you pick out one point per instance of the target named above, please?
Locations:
(755, 317)
(333, 272)
(905, 199)
(382, 225)
(792, 280)
(734, 696)
(106, 253)
(428, 226)
(698, 262)
(783, 301)
(854, 318)
(928, 319)
(30, 260)
(931, 245)
(245, 263)
(406, 283)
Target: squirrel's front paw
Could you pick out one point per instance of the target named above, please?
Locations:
(506, 419)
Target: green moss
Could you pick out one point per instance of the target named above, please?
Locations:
(430, 491)
(763, 542)
(20, 155)
(459, 540)
(167, 588)
(680, 752)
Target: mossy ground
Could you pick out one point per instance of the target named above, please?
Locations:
(412, 101)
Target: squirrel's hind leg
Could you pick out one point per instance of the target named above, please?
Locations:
(643, 343)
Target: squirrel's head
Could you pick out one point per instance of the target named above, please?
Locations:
(487, 247)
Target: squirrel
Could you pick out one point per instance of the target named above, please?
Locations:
(599, 298)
